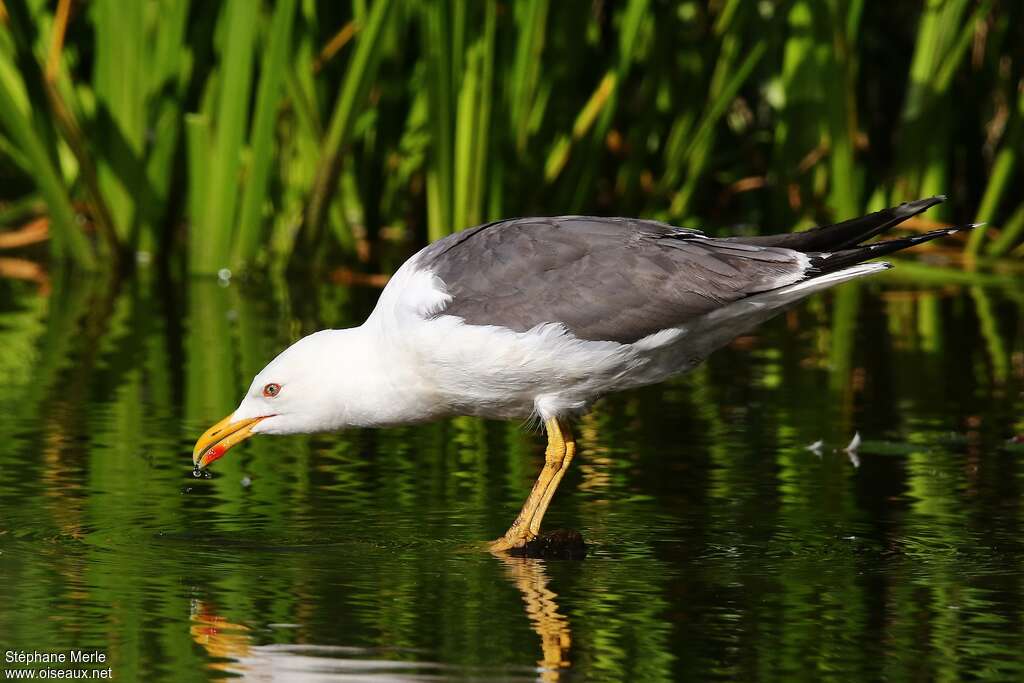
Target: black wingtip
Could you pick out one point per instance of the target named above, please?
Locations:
(848, 233)
(832, 261)
(908, 209)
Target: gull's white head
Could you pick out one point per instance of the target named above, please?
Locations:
(300, 391)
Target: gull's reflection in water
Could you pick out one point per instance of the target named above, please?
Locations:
(232, 650)
(530, 577)
(222, 640)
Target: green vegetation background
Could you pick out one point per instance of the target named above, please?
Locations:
(243, 134)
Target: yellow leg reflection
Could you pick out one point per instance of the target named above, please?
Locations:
(557, 456)
(530, 577)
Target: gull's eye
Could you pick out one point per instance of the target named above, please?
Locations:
(271, 390)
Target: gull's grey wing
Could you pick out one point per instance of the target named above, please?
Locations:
(614, 279)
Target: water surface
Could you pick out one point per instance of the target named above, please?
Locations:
(722, 547)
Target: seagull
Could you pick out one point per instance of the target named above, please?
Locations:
(540, 317)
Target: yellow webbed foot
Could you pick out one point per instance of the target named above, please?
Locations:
(505, 543)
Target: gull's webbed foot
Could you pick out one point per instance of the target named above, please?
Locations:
(509, 542)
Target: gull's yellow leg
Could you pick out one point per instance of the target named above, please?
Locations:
(524, 529)
(569, 445)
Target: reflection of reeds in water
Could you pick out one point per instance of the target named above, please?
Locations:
(106, 389)
(530, 578)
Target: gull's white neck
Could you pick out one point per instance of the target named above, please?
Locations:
(372, 383)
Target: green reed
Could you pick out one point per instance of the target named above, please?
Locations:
(246, 135)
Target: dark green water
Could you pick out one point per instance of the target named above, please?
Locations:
(721, 547)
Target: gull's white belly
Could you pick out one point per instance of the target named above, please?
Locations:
(494, 372)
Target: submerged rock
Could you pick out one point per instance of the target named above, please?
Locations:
(560, 544)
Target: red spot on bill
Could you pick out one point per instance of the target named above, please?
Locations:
(214, 453)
